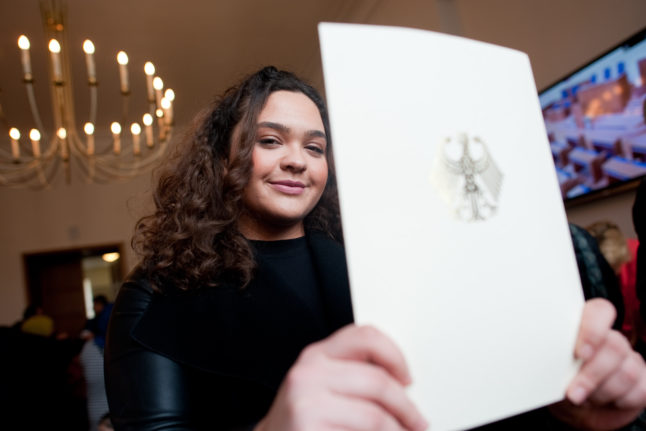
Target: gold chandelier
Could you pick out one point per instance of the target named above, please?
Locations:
(33, 158)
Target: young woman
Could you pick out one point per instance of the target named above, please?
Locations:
(239, 314)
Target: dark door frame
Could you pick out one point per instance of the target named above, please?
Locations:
(37, 265)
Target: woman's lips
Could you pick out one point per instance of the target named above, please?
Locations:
(288, 187)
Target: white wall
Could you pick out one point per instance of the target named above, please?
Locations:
(66, 216)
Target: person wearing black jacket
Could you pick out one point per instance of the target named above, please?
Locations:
(639, 222)
(238, 315)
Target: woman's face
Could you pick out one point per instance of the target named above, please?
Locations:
(289, 168)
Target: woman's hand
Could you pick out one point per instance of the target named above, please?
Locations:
(609, 390)
(352, 380)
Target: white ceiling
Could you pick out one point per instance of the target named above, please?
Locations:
(200, 47)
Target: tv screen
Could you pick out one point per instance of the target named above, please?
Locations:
(595, 121)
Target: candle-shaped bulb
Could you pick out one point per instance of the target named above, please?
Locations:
(88, 46)
(88, 128)
(116, 128)
(62, 134)
(14, 133)
(122, 58)
(148, 122)
(136, 146)
(55, 50)
(34, 135)
(23, 42)
(168, 110)
(89, 131)
(169, 94)
(159, 112)
(149, 68)
(158, 84)
(54, 46)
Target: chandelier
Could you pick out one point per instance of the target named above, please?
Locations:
(133, 145)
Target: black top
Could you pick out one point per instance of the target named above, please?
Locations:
(292, 259)
(213, 358)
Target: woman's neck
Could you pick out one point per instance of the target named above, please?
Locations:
(253, 229)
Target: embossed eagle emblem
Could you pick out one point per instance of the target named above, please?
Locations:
(467, 178)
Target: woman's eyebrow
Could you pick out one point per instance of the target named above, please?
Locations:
(315, 134)
(276, 126)
(284, 129)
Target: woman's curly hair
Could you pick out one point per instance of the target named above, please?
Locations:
(192, 238)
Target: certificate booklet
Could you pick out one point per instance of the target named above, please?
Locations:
(457, 242)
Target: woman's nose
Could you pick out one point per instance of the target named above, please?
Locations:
(294, 159)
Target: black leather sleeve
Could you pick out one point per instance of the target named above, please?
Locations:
(149, 391)
(146, 391)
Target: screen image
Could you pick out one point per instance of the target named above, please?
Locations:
(595, 121)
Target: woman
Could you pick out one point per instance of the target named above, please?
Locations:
(239, 315)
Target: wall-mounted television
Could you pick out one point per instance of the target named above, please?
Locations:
(595, 122)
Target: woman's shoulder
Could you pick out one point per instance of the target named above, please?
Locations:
(136, 292)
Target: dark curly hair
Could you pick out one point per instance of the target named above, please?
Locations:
(192, 238)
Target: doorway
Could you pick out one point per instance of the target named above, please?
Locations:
(64, 282)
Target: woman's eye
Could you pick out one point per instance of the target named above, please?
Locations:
(315, 149)
(268, 141)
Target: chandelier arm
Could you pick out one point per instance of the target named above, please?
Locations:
(84, 167)
(29, 164)
(46, 172)
(36, 174)
(77, 148)
(41, 177)
(104, 174)
(34, 107)
(22, 168)
(97, 176)
(108, 166)
(124, 166)
(124, 109)
(48, 160)
(107, 159)
(6, 156)
(93, 103)
(17, 180)
(52, 148)
(130, 168)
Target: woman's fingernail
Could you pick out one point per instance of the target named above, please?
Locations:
(585, 352)
(577, 395)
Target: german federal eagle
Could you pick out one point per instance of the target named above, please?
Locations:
(466, 177)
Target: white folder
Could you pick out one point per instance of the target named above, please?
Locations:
(457, 241)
